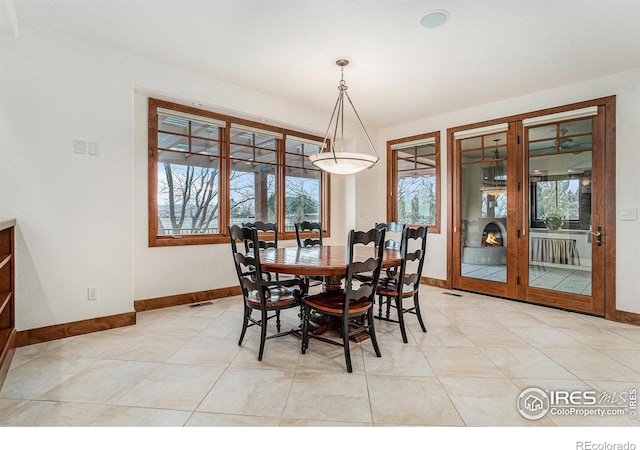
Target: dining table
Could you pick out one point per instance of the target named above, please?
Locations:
(328, 261)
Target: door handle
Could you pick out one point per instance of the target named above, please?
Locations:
(598, 235)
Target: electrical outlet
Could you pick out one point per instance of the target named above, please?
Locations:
(92, 293)
(80, 147)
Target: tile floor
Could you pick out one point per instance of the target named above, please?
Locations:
(182, 367)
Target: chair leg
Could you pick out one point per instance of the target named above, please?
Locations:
(245, 323)
(388, 306)
(305, 329)
(416, 302)
(372, 333)
(380, 302)
(345, 343)
(401, 318)
(263, 333)
(278, 321)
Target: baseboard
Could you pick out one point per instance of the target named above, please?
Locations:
(53, 332)
(628, 317)
(185, 299)
(435, 282)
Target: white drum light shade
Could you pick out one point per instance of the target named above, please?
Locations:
(343, 163)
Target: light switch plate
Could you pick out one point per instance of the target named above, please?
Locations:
(628, 214)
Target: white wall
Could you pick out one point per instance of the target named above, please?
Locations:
(626, 87)
(81, 220)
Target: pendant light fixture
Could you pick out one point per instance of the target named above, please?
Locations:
(494, 177)
(335, 160)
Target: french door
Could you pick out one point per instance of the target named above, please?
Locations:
(532, 207)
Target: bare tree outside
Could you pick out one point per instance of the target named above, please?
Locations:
(191, 198)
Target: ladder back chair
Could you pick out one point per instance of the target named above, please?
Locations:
(260, 294)
(309, 234)
(267, 238)
(393, 239)
(406, 282)
(354, 304)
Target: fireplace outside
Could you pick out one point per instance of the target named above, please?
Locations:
(477, 250)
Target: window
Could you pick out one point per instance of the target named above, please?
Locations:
(414, 180)
(560, 161)
(208, 171)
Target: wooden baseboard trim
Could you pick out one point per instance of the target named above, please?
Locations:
(53, 332)
(434, 282)
(185, 299)
(628, 317)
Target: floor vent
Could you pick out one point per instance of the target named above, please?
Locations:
(195, 305)
(453, 293)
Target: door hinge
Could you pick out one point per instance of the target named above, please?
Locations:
(518, 185)
(518, 279)
(518, 234)
(518, 139)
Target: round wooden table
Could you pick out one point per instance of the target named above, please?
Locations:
(329, 261)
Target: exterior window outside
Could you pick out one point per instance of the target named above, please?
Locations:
(208, 171)
(414, 180)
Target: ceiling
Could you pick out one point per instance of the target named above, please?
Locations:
(399, 71)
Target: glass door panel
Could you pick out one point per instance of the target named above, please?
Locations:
(560, 164)
(483, 207)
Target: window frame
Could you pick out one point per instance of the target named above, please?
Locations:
(392, 178)
(156, 240)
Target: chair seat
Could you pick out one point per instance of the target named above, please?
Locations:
(278, 297)
(332, 302)
(388, 287)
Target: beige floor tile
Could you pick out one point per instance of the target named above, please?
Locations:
(408, 361)
(103, 382)
(443, 336)
(588, 364)
(173, 386)
(461, 362)
(38, 376)
(53, 414)
(127, 416)
(626, 357)
(492, 335)
(206, 351)
(523, 362)
(409, 400)
(546, 336)
(249, 392)
(599, 338)
(203, 419)
(341, 397)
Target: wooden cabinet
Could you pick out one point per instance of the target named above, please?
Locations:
(7, 300)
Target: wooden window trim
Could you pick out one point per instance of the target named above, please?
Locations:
(392, 178)
(156, 240)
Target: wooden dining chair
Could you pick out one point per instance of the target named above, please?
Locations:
(260, 294)
(267, 238)
(393, 240)
(406, 282)
(267, 234)
(309, 234)
(353, 304)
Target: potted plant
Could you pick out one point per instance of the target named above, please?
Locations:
(554, 221)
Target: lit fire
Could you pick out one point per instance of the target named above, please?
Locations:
(491, 240)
